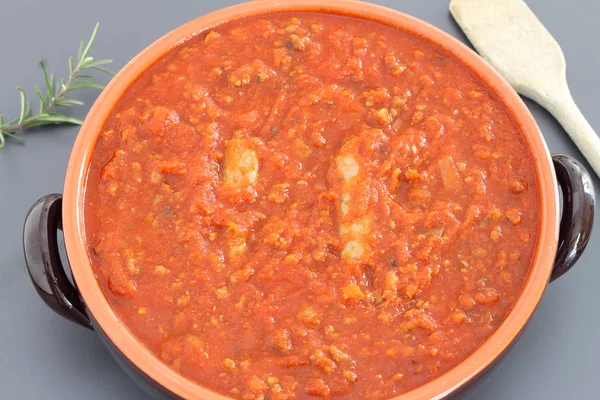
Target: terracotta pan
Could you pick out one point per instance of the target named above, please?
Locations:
(559, 243)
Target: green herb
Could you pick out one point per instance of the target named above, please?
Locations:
(290, 46)
(55, 92)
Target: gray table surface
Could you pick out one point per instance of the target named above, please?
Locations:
(45, 356)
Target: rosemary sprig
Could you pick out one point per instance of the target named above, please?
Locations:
(55, 92)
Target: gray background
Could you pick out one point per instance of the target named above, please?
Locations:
(45, 356)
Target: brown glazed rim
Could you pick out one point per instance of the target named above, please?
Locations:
(79, 162)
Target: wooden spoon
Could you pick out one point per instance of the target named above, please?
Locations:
(511, 38)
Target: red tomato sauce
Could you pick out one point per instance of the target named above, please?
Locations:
(310, 205)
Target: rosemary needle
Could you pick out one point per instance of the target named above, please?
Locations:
(55, 94)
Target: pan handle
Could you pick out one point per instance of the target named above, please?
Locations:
(577, 213)
(46, 270)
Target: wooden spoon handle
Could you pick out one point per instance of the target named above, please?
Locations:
(567, 113)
